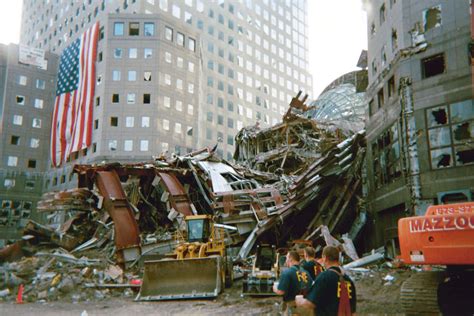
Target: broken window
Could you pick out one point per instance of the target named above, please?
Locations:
(114, 121)
(452, 128)
(464, 155)
(147, 76)
(20, 100)
(372, 108)
(437, 116)
(372, 28)
(394, 40)
(383, 56)
(15, 140)
(441, 158)
(31, 163)
(380, 98)
(112, 145)
(115, 98)
(382, 14)
(433, 65)
(463, 132)
(391, 86)
(146, 98)
(432, 17)
(386, 156)
(134, 29)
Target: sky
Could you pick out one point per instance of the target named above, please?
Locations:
(336, 34)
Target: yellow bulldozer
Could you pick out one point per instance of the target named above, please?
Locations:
(198, 268)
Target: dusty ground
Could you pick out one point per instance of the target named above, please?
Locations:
(375, 297)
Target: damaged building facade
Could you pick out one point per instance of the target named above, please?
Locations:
(420, 129)
(27, 84)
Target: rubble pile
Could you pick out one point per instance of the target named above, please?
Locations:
(51, 275)
(289, 181)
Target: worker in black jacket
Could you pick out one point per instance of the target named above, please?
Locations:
(333, 292)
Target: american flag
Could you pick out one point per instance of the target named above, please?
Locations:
(72, 117)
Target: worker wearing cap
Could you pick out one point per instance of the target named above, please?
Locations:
(291, 283)
(310, 264)
(332, 293)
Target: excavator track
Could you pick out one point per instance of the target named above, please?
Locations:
(419, 294)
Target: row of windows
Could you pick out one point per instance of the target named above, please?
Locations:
(16, 141)
(23, 81)
(37, 103)
(430, 66)
(12, 161)
(149, 30)
(18, 120)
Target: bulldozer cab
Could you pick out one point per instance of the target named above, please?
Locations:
(265, 257)
(199, 228)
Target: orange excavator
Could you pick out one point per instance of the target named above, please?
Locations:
(444, 239)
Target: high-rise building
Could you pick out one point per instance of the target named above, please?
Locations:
(173, 76)
(420, 128)
(27, 85)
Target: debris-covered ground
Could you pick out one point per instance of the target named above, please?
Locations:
(378, 294)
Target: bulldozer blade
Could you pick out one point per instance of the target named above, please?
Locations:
(181, 279)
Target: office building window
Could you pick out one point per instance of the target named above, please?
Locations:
(146, 98)
(176, 11)
(132, 75)
(149, 28)
(34, 143)
(12, 161)
(132, 53)
(147, 53)
(118, 28)
(40, 84)
(131, 98)
(31, 163)
(36, 123)
(129, 121)
(168, 57)
(168, 33)
(128, 145)
(386, 156)
(167, 102)
(177, 128)
(38, 103)
(180, 38)
(15, 140)
(134, 29)
(20, 100)
(191, 44)
(112, 145)
(166, 125)
(116, 75)
(433, 65)
(115, 98)
(22, 80)
(118, 52)
(143, 145)
(114, 121)
(145, 121)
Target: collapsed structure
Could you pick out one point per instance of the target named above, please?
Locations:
(289, 180)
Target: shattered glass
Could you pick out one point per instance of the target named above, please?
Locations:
(438, 116)
(462, 111)
(464, 155)
(441, 158)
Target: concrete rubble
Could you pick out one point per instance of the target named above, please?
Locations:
(296, 180)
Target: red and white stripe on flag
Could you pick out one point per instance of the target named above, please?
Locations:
(72, 116)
